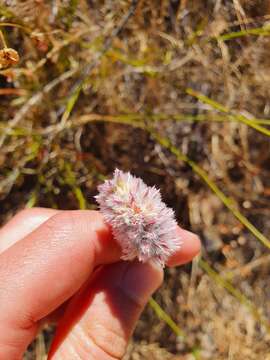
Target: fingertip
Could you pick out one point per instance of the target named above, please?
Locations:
(191, 247)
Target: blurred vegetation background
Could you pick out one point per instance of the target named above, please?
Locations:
(177, 92)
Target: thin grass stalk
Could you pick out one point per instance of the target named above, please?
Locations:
(131, 118)
(172, 325)
(235, 293)
(261, 31)
(228, 202)
(238, 117)
(167, 319)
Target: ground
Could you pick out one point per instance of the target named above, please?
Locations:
(177, 92)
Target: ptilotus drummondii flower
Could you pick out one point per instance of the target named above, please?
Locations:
(141, 223)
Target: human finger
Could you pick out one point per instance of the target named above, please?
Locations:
(191, 246)
(47, 267)
(101, 318)
(22, 224)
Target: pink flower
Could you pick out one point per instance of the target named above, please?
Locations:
(141, 223)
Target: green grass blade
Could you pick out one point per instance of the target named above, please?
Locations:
(172, 325)
(253, 124)
(234, 292)
(205, 99)
(166, 318)
(32, 201)
(140, 119)
(70, 104)
(262, 31)
(229, 203)
(80, 197)
(71, 181)
(205, 266)
(238, 117)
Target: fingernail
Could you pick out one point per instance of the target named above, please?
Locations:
(141, 280)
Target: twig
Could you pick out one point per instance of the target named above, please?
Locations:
(3, 39)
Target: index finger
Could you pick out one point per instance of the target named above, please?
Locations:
(22, 224)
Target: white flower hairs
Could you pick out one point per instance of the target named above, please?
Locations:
(141, 223)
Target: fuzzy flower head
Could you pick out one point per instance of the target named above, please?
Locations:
(141, 223)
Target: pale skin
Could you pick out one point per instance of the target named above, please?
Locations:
(64, 266)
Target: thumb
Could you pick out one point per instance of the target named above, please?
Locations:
(101, 318)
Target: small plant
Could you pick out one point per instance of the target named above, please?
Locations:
(8, 56)
(142, 224)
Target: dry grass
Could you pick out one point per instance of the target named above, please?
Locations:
(183, 86)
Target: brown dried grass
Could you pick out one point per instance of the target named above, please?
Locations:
(48, 159)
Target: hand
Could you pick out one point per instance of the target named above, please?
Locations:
(51, 268)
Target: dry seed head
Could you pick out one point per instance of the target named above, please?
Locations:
(141, 223)
(8, 57)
